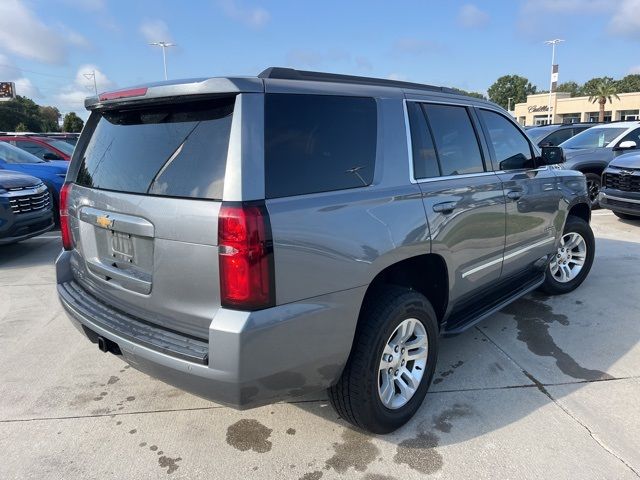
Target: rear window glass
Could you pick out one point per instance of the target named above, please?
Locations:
(169, 150)
(318, 143)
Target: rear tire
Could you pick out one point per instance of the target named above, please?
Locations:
(594, 182)
(357, 396)
(626, 216)
(572, 262)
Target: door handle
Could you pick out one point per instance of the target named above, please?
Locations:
(444, 207)
(514, 194)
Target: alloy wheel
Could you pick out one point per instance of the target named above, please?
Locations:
(403, 363)
(571, 255)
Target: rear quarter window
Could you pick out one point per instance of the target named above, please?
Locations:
(318, 143)
(168, 150)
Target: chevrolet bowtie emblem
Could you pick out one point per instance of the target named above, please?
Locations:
(104, 221)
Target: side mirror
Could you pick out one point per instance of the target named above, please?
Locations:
(552, 155)
(50, 156)
(626, 145)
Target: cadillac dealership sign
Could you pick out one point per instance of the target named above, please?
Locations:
(536, 108)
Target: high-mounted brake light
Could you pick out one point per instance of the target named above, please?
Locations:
(65, 227)
(132, 92)
(245, 257)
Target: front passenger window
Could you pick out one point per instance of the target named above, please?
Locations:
(511, 149)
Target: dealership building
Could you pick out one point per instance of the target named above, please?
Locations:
(567, 109)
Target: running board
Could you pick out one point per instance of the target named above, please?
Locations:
(464, 322)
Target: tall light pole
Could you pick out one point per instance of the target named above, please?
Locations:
(509, 103)
(554, 72)
(164, 46)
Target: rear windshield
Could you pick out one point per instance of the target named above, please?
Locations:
(318, 143)
(169, 150)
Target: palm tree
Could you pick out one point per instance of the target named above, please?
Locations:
(603, 91)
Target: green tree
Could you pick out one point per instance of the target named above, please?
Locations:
(72, 123)
(590, 86)
(470, 94)
(601, 93)
(510, 86)
(50, 117)
(629, 84)
(571, 87)
(21, 127)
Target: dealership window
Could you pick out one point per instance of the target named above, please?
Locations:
(570, 118)
(629, 115)
(522, 121)
(594, 116)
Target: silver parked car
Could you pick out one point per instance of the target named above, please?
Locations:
(257, 239)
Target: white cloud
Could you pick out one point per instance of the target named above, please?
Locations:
(23, 34)
(471, 16)
(414, 46)
(254, 17)
(397, 76)
(24, 86)
(73, 95)
(626, 19)
(155, 30)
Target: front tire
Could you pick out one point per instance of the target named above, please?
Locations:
(572, 262)
(594, 182)
(392, 362)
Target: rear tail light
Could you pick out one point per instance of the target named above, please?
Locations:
(245, 256)
(65, 227)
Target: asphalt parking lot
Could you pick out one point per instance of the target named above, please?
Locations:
(547, 388)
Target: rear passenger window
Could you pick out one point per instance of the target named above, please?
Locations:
(425, 161)
(511, 149)
(318, 143)
(455, 139)
(557, 137)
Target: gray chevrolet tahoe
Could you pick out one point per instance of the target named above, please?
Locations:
(256, 239)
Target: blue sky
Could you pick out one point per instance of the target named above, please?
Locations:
(46, 46)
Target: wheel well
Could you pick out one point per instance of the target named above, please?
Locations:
(581, 210)
(426, 274)
(595, 170)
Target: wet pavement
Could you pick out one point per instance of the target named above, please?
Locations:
(547, 388)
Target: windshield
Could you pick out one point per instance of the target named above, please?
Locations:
(537, 134)
(11, 154)
(595, 137)
(61, 145)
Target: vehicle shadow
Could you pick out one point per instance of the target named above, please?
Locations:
(37, 251)
(528, 357)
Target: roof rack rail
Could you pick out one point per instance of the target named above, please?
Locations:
(282, 73)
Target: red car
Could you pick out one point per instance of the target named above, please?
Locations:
(45, 148)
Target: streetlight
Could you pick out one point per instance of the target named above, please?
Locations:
(164, 46)
(553, 44)
(509, 103)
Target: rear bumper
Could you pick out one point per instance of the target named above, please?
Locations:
(619, 201)
(253, 358)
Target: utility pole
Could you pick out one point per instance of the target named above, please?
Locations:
(164, 46)
(554, 73)
(90, 76)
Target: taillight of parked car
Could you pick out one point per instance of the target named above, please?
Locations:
(245, 256)
(65, 227)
